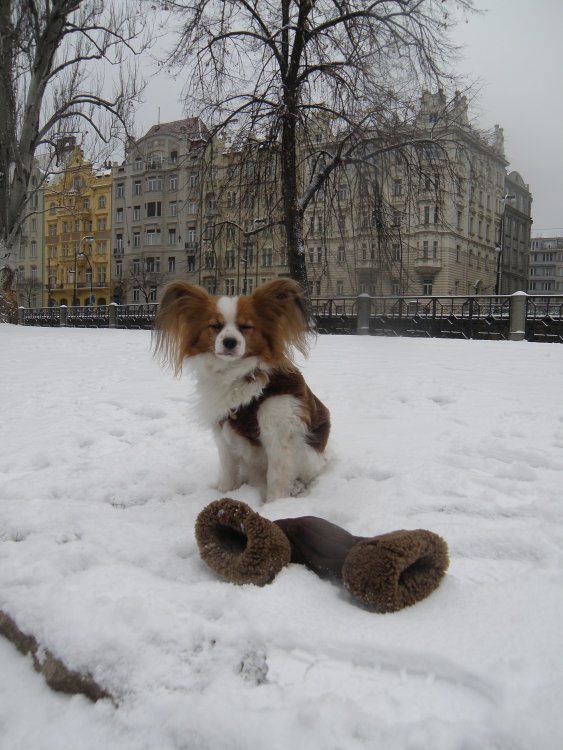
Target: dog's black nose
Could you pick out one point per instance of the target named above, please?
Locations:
(229, 343)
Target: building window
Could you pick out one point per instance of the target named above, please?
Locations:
(339, 288)
(427, 287)
(154, 209)
(191, 237)
(173, 157)
(230, 287)
(152, 265)
(118, 241)
(396, 218)
(152, 237)
(136, 239)
(247, 286)
(267, 257)
(154, 184)
(119, 268)
(137, 190)
(209, 259)
(397, 187)
(155, 160)
(171, 265)
(230, 259)
(341, 254)
(190, 263)
(119, 215)
(172, 208)
(120, 190)
(173, 182)
(172, 235)
(136, 213)
(102, 201)
(33, 249)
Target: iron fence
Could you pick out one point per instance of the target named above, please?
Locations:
(103, 316)
(516, 316)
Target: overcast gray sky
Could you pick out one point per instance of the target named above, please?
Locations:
(515, 50)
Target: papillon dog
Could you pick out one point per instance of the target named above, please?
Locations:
(270, 429)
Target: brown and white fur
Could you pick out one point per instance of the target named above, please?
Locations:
(270, 429)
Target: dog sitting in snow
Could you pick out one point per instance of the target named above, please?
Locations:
(270, 429)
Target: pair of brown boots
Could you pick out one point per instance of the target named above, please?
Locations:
(385, 572)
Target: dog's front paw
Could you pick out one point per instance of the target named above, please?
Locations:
(298, 488)
(228, 485)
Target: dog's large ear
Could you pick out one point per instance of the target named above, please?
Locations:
(282, 308)
(176, 326)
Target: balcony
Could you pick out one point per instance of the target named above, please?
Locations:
(428, 265)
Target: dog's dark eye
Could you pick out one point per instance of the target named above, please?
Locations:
(216, 326)
(245, 327)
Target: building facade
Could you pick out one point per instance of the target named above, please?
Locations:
(515, 233)
(77, 225)
(546, 265)
(29, 278)
(420, 219)
(428, 218)
(157, 204)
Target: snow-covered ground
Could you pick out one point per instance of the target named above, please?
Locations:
(103, 471)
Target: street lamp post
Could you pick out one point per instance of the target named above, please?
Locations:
(244, 262)
(500, 247)
(87, 238)
(91, 277)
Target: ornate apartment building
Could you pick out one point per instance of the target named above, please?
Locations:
(29, 281)
(77, 219)
(430, 217)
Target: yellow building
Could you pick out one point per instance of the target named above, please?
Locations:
(77, 234)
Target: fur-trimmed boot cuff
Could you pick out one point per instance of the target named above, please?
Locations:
(395, 570)
(240, 545)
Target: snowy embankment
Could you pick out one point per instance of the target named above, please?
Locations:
(103, 472)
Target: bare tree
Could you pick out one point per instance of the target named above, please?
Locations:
(278, 69)
(55, 58)
(27, 287)
(146, 277)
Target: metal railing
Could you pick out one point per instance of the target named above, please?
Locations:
(518, 316)
(103, 316)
